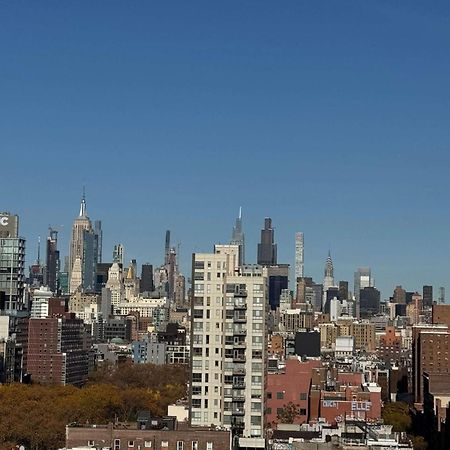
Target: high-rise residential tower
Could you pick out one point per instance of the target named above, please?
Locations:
(12, 264)
(238, 238)
(167, 248)
(52, 261)
(299, 255)
(267, 249)
(228, 341)
(98, 232)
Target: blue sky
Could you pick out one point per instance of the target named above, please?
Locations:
(330, 117)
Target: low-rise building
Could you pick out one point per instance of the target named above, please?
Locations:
(147, 433)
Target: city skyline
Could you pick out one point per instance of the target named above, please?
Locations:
(342, 108)
(157, 256)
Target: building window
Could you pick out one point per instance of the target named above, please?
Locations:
(209, 446)
(255, 420)
(91, 443)
(131, 444)
(280, 395)
(268, 410)
(196, 377)
(194, 445)
(269, 395)
(303, 395)
(180, 445)
(164, 443)
(302, 411)
(147, 444)
(116, 444)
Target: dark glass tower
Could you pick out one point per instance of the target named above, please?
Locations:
(267, 250)
(52, 261)
(427, 296)
(147, 278)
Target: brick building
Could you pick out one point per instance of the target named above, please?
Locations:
(56, 350)
(431, 348)
(390, 348)
(343, 395)
(441, 314)
(291, 385)
(116, 437)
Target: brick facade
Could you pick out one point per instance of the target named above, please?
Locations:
(121, 438)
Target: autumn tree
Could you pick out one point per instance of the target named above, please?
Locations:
(397, 414)
(288, 413)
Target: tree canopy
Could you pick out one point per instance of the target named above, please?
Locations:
(36, 415)
(397, 415)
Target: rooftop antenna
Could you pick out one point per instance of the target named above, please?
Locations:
(39, 251)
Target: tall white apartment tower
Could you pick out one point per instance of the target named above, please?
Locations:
(228, 340)
(299, 254)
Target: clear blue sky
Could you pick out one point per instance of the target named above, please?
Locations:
(331, 117)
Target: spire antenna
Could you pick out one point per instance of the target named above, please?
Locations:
(83, 203)
(39, 251)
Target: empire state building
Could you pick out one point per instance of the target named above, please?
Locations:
(84, 251)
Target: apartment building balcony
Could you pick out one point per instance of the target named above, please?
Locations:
(239, 332)
(239, 318)
(239, 306)
(238, 370)
(240, 358)
(240, 293)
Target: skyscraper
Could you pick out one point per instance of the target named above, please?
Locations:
(427, 296)
(278, 276)
(267, 249)
(167, 248)
(343, 290)
(146, 284)
(369, 302)
(52, 261)
(81, 226)
(98, 232)
(228, 342)
(85, 249)
(116, 286)
(328, 280)
(363, 279)
(238, 238)
(299, 254)
(12, 264)
(118, 254)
